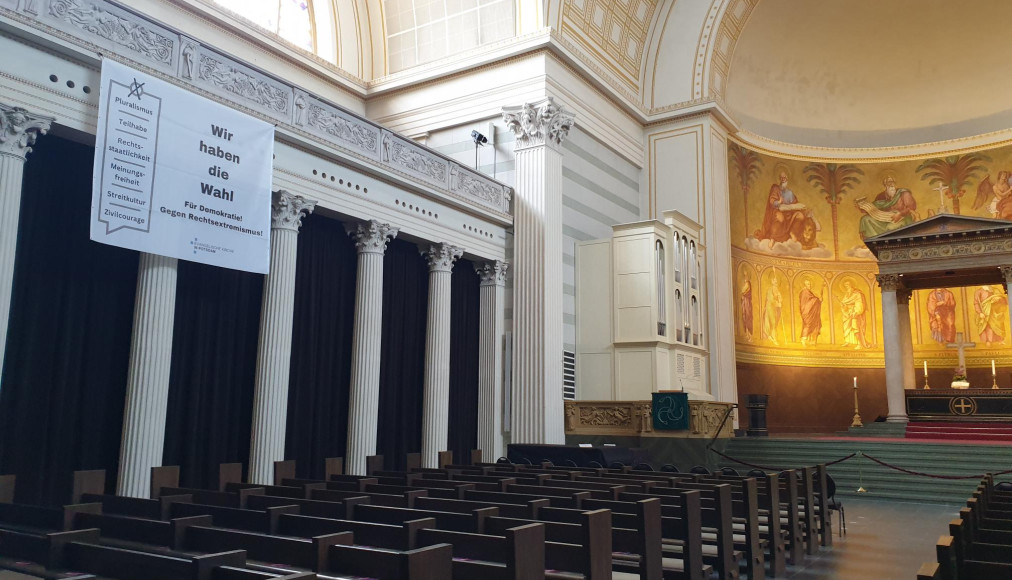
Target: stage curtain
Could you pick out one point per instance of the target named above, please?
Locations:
(321, 345)
(211, 384)
(405, 302)
(68, 347)
(464, 334)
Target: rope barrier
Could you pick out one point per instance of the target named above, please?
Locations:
(874, 459)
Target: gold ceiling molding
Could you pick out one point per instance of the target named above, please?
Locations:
(716, 45)
(919, 151)
(613, 30)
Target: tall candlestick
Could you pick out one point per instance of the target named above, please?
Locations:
(855, 382)
(992, 367)
(925, 368)
(994, 377)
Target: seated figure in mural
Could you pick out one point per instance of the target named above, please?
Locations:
(892, 209)
(854, 309)
(786, 217)
(942, 315)
(772, 311)
(811, 313)
(990, 303)
(999, 193)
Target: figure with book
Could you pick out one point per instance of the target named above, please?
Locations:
(892, 209)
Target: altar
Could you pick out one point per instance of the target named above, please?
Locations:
(969, 405)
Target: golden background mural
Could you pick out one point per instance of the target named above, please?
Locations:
(805, 283)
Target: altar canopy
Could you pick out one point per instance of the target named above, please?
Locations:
(943, 251)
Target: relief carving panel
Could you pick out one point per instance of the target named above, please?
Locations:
(107, 25)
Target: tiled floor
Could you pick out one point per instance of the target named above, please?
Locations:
(884, 541)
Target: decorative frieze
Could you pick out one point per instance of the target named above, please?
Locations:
(331, 123)
(414, 159)
(108, 25)
(245, 85)
(468, 184)
(540, 123)
(634, 418)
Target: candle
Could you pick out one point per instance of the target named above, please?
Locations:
(855, 382)
(925, 368)
(992, 368)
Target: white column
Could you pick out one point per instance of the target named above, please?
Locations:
(490, 358)
(363, 400)
(906, 338)
(18, 130)
(536, 398)
(148, 376)
(274, 352)
(890, 283)
(435, 406)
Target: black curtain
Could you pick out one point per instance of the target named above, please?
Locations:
(464, 334)
(321, 345)
(211, 383)
(405, 303)
(68, 346)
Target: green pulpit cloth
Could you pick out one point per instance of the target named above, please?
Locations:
(670, 411)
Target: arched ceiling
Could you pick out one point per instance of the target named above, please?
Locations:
(868, 73)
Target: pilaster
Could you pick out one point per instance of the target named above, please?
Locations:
(490, 357)
(436, 403)
(363, 401)
(18, 131)
(536, 398)
(906, 338)
(274, 352)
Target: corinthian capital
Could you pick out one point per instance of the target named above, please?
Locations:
(441, 256)
(372, 236)
(540, 123)
(889, 282)
(19, 128)
(287, 210)
(492, 273)
(1006, 271)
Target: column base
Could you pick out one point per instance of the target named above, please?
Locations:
(897, 419)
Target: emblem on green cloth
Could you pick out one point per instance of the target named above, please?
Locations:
(670, 411)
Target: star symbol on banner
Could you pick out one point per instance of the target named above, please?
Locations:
(136, 89)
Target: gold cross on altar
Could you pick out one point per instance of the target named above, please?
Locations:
(962, 346)
(963, 406)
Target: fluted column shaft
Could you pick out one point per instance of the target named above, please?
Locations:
(274, 351)
(491, 305)
(906, 339)
(536, 398)
(363, 400)
(436, 402)
(18, 130)
(148, 376)
(893, 349)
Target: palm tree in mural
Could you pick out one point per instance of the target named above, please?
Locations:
(833, 180)
(953, 173)
(746, 165)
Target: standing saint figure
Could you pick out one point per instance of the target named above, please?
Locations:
(745, 301)
(772, 311)
(811, 313)
(942, 315)
(785, 217)
(892, 209)
(989, 303)
(854, 307)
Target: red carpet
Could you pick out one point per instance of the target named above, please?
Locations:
(955, 432)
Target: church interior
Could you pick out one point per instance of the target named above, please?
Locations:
(505, 289)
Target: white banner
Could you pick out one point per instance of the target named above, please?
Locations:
(179, 175)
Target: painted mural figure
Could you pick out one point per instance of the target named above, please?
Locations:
(811, 314)
(854, 308)
(772, 311)
(745, 301)
(787, 218)
(1000, 194)
(942, 315)
(892, 209)
(988, 303)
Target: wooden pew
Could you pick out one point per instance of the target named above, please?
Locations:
(467, 506)
(428, 563)
(344, 509)
(307, 553)
(519, 555)
(401, 536)
(152, 509)
(138, 530)
(460, 522)
(124, 564)
(221, 498)
(581, 548)
(265, 521)
(43, 548)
